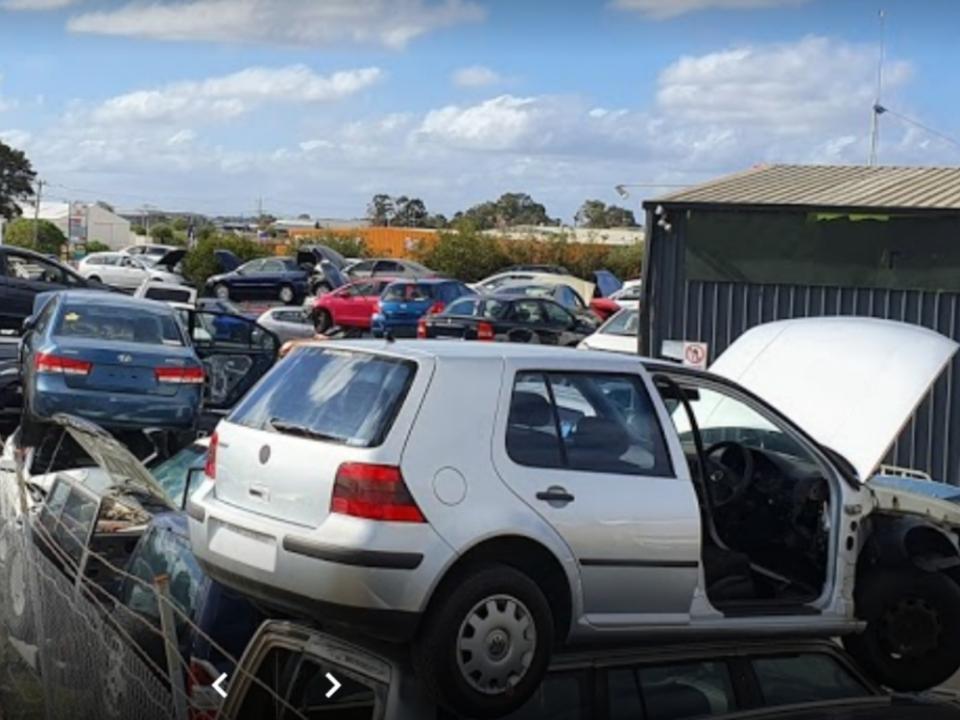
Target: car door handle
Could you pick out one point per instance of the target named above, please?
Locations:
(555, 494)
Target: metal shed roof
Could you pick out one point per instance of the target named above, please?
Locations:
(828, 186)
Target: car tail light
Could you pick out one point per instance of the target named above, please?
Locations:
(377, 308)
(375, 492)
(210, 466)
(179, 375)
(48, 363)
(436, 308)
(484, 331)
(203, 704)
(421, 328)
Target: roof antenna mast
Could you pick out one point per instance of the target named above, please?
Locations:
(878, 109)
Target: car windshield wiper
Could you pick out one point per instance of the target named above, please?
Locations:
(289, 428)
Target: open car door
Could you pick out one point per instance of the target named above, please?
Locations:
(236, 352)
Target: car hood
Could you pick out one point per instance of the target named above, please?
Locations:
(125, 472)
(227, 261)
(935, 500)
(171, 259)
(852, 383)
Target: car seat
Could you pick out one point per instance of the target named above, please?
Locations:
(531, 431)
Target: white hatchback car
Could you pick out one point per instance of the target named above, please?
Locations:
(488, 500)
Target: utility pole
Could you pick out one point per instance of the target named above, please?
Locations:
(36, 212)
(878, 109)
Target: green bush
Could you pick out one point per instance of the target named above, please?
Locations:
(49, 238)
(200, 263)
(162, 234)
(465, 253)
(95, 246)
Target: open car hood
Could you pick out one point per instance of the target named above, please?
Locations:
(852, 383)
(125, 472)
(226, 261)
(171, 259)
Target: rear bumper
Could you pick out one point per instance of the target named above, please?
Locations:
(398, 327)
(377, 574)
(117, 410)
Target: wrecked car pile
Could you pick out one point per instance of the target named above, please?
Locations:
(493, 527)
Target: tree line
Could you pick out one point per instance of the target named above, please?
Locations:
(508, 211)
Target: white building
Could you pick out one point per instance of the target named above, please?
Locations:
(84, 222)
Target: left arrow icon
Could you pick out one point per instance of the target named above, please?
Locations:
(217, 685)
(334, 685)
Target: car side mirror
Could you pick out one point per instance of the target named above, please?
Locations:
(29, 324)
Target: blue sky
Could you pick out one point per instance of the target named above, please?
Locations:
(315, 105)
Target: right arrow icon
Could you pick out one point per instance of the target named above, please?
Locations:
(334, 685)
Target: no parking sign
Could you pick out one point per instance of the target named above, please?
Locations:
(695, 355)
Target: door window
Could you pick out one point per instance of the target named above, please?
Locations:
(24, 267)
(590, 422)
(363, 289)
(76, 523)
(557, 317)
(272, 266)
(162, 552)
(387, 266)
(303, 685)
(672, 692)
(528, 312)
(254, 266)
(464, 308)
(810, 677)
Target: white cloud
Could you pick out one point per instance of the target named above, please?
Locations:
(663, 9)
(182, 137)
(392, 23)
(15, 138)
(35, 4)
(475, 76)
(232, 95)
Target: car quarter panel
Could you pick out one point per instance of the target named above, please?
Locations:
(447, 465)
(635, 537)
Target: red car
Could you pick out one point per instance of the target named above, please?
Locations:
(350, 305)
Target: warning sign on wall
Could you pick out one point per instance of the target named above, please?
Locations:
(691, 354)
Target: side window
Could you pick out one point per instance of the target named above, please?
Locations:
(673, 692)
(146, 565)
(593, 422)
(107, 260)
(272, 266)
(364, 266)
(44, 318)
(466, 308)
(76, 522)
(387, 266)
(94, 260)
(805, 678)
(556, 316)
(364, 289)
(532, 437)
(254, 266)
(50, 513)
(528, 312)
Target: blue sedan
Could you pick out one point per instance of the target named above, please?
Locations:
(404, 302)
(277, 278)
(118, 361)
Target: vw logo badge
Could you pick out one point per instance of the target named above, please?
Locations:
(124, 358)
(264, 454)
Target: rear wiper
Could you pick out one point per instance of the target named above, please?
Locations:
(290, 428)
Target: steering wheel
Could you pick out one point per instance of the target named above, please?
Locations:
(728, 480)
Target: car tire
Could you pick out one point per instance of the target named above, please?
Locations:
(18, 610)
(322, 320)
(286, 295)
(506, 615)
(912, 638)
(95, 278)
(221, 291)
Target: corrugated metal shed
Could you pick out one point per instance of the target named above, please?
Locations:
(828, 186)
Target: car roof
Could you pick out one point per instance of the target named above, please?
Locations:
(426, 281)
(97, 297)
(444, 349)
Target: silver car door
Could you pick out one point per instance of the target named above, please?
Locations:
(587, 451)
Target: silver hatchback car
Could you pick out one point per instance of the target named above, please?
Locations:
(489, 501)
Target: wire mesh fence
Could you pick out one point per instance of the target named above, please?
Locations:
(69, 648)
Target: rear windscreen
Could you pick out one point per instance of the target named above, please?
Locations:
(407, 293)
(329, 394)
(119, 324)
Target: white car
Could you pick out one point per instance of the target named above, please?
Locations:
(126, 272)
(495, 282)
(618, 334)
(489, 500)
(149, 253)
(288, 323)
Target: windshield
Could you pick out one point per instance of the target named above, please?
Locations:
(625, 323)
(407, 292)
(173, 474)
(335, 395)
(118, 323)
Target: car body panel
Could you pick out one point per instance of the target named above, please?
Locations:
(851, 382)
(353, 305)
(25, 274)
(399, 316)
(620, 340)
(120, 389)
(262, 279)
(128, 272)
(287, 323)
